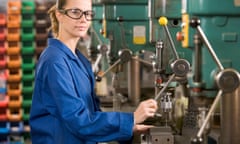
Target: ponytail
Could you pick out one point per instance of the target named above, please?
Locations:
(52, 14)
(54, 22)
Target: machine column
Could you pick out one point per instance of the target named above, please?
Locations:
(134, 80)
(230, 118)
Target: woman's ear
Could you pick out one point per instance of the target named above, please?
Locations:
(58, 15)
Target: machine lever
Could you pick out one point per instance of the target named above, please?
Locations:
(163, 22)
(195, 23)
(103, 50)
(143, 61)
(125, 55)
(226, 79)
(99, 76)
(215, 102)
(165, 86)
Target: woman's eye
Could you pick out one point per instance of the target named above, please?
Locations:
(76, 12)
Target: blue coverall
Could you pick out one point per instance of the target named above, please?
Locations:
(65, 109)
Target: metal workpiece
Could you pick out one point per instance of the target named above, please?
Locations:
(166, 102)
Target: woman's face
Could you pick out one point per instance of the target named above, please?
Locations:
(69, 22)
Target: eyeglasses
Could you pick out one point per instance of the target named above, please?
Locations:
(76, 13)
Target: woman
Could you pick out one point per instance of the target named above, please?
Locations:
(65, 109)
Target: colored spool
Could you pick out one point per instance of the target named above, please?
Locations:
(14, 61)
(13, 21)
(14, 7)
(4, 102)
(3, 114)
(14, 89)
(3, 47)
(14, 115)
(14, 75)
(28, 7)
(4, 128)
(2, 33)
(3, 61)
(2, 19)
(15, 101)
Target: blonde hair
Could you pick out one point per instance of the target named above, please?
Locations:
(52, 14)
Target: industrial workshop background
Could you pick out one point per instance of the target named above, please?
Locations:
(182, 53)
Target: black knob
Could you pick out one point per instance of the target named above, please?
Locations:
(98, 78)
(120, 19)
(197, 140)
(194, 22)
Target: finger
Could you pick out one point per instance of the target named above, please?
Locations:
(150, 112)
(142, 128)
(152, 103)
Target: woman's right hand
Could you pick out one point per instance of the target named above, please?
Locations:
(140, 128)
(145, 110)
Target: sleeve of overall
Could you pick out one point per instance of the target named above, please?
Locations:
(97, 126)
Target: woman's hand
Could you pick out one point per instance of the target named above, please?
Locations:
(145, 110)
(140, 128)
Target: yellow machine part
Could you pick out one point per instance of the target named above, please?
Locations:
(185, 30)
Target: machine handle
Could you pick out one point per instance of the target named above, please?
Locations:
(165, 86)
(195, 23)
(163, 22)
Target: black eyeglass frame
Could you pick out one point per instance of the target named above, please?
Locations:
(65, 11)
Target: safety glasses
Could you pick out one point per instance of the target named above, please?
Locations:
(76, 13)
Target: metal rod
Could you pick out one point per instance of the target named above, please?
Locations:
(215, 102)
(197, 58)
(159, 56)
(171, 42)
(111, 67)
(134, 91)
(142, 61)
(210, 48)
(230, 116)
(165, 86)
(97, 62)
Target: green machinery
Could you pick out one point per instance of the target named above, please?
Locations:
(125, 29)
(134, 24)
(214, 54)
(220, 27)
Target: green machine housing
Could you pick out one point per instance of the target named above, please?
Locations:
(133, 25)
(220, 20)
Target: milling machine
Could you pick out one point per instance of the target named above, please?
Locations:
(195, 79)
